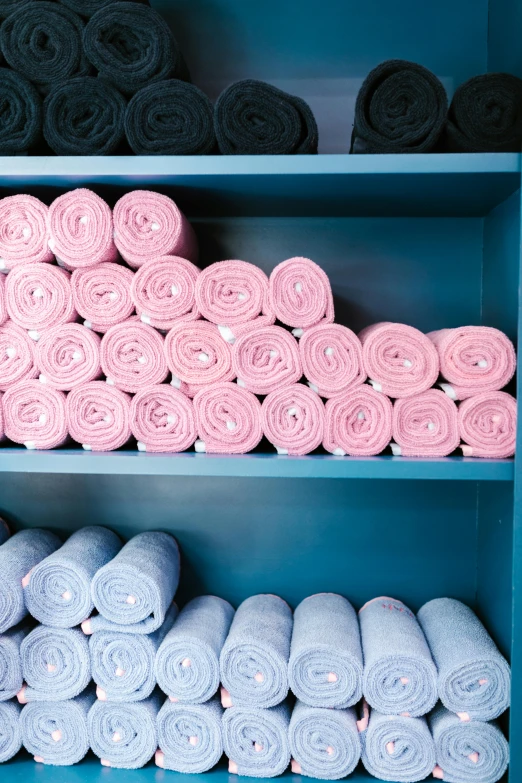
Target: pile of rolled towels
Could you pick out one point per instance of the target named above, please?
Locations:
(109, 330)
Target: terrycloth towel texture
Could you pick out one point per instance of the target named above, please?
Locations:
(331, 356)
(254, 659)
(293, 419)
(488, 425)
(255, 118)
(358, 423)
(170, 117)
(123, 664)
(124, 735)
(467, 752)
(98, 416)
(398, 359)
(17, 356)
(39, 296)
(163, 291)
(80, 229)
(324, 743)
(84, 116)
(148, 225)
(18, 556)
(265, 359)
(401, 107)
(231, 293)
(21, 119)
(485, 115)
(23, 229)
(101, 295)
(4, 315)
(425, 425)
(228, 419)
(400, 677)
(34, 415)
(474, 359)
(55, 732)
(134, 591)
(131, 45)
(256, 740)
(67, 356)
(190, 737)
(300, 294)
(89, 7)
(11, 677)
(162, 420)
(59, 590)
(10, 731)
(55, 663)
(474, 678)
(132, 357)
(8, 6)
(187, 663)
(326, 661)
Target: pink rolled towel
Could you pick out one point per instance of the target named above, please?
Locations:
(132, 357)
(163, 291)
(488, 425)
(301, 294)
(101, 295)
(39, 296)
(358, 423)
(265, 359)
(98, 416)
(425, 425)
(331, 356)
(162, 420)
(293, 419)
(68, 355)
(148, 225)
(398, 359)
(35, 415)
(197, 355)
(4, 315)
(228, 419)
(474, 359)
(23, 231)
(80, 229)
(17, 356)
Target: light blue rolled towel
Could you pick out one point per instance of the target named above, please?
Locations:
(326, 663)
(474, 677)
(123, 663)
(11, 676)
(187, 663)
(55, 732)
(59, 590)
(399, 674)
(55, 663)
(5, 532)
(467, 751)
(10, 732)
(324, 742)
(125, 736)
(133, 592)
(256, 740)
(190, 736)
(254, 658)
(18, 556)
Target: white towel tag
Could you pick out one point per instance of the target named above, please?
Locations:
(231, 425)
(30, 444)
(142, 359)
(42, 378)
(227, 334)
(26, 232)
(200, 446)
(447, 388)
(34, 335)
(241, 297)
(298, 332)
(155, 227)
(292, 411)
(141, 446)
(376, 385)
(240, 383)
(86, 447)
(281, 451)
(42, 418)
(87, 324)
(145, 318)
(339, 453)
(84, 219)
(171, 419)
(38, 293)
(113, 296)
(313, 387)
(328, 351)
(76, 356)
(175, 382)
(109, 381)
(396, 449)
(203, 357)
(10, 352)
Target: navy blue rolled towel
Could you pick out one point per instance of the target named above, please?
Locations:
(21, 117)
(7, 7)
(89, 7)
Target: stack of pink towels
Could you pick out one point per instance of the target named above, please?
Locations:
(109, 330)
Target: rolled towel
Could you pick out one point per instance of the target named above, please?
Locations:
(400, 677)
(18, 556)
(326, 662)
(163, 291)
(58, 592)
(231, 293)
(98, 416)
(39, 296)
(5, 531)
(89, 7)
(474, 678)
(68, 355)
(401, 107)
(10, 731)
(467, 752)
(255, 118)
(331, 356)
(80, 229)
(300, 294)
(399, 360)
(124, 735)
(134, 591)
(228, 419)
(187, 663)
(34, 415)
(425, 425)
(256, 740)
(132, 357)
(254, 658)
(293, 419)
(4, 315)
(123, 664)
(162, 420)
(17, 356)
(8, 6)
(84, 116)
(324, 743)
(148, 225)
(196, 354)
(265, 359)
(23, 230)
(190, 737)
(488, 425)
(55, 664)
(358, 423)
(56, 731)
(101, 295)
(11, 677)
(170, 117)
(21, 120)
